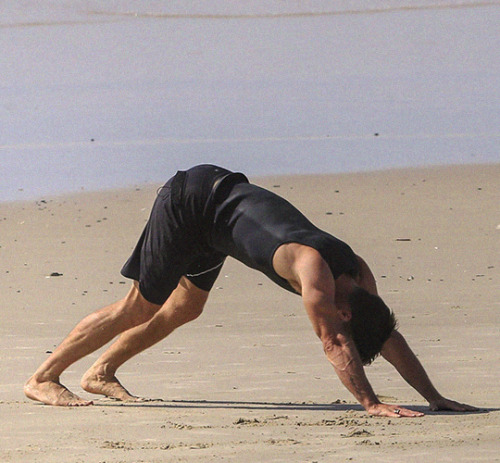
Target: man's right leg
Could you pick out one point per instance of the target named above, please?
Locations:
(90, 334)
(184, 305)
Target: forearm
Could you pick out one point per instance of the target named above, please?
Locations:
(345, 360)
(398, 353)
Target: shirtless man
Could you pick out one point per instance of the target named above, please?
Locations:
(201, 216)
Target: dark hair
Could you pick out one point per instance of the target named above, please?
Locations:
(371, 324)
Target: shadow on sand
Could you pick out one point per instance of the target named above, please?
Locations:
(242, 405)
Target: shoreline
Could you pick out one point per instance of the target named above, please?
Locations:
(256, 178)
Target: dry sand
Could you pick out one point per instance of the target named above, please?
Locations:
(248, 381)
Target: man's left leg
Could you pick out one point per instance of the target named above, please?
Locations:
(184, 304)
(89, 334)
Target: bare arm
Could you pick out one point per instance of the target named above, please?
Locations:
(398, 353)
(311, 275)
(338, 346)
(342, 354)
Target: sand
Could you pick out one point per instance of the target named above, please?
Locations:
(248, 381)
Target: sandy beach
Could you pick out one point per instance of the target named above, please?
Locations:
(248, 381)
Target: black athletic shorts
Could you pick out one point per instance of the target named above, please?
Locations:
(176, 239)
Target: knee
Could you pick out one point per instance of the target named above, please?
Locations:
(187, 301)
(192, 311)
(179, 310)
(136, 309)
(142, 313)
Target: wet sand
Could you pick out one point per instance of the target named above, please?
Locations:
(248, 381)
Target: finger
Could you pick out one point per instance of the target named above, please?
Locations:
(468, 408)
(410, 413)
(394, 413)
(391, 411)
(454, 406)
(399, 412)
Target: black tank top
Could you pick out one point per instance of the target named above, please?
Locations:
(250, 223)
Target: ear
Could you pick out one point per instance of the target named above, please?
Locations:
(345, 315)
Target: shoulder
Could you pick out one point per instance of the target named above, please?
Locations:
(302, 266)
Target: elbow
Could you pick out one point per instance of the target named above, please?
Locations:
(332, 343)
(339, 351)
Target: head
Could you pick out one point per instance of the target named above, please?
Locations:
(370, 325)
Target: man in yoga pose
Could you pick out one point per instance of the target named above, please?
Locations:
(201, 216)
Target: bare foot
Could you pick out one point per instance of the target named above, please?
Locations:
(108, 386)
(53, 393)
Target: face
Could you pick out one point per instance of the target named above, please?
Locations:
(345, 314)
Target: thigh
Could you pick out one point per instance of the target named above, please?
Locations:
(163, 251)
(204, 270)
(173, 243)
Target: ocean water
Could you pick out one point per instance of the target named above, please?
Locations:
(98, 95)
